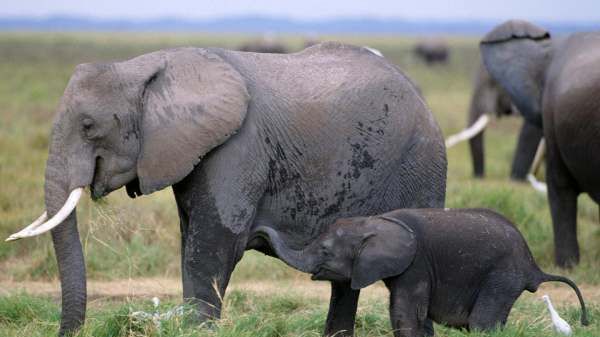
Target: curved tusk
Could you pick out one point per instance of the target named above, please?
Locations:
(374, 51)
(536, 184)
(33, 225)
(470, 132)
(537, 162)
(36, 228)
(539, 156)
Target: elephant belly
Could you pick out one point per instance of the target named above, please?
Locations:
(300, 210)
(452, 307)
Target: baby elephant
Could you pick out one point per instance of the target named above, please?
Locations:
(462, 268)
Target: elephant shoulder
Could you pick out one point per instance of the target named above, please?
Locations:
(515, 29)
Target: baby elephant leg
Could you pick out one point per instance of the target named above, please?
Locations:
(493, 304)
(408, 314)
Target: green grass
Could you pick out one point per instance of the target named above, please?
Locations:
(248, 314)
(140, 238)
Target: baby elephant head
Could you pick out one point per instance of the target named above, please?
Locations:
(359, 250)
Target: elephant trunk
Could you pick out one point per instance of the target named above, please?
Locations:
(303, 260)
(61, 178)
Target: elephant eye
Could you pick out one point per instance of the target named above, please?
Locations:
(88, 127)
(87, 123)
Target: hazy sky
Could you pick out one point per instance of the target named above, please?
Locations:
(547, 10)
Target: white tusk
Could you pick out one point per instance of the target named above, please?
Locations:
(536, 184)
(537, 162)
(36, 228)
(374, 51)
(539, 156)
(470, 132)
(33, 225)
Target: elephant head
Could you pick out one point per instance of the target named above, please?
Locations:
(359, 250)
(517, 54)
(143, 123)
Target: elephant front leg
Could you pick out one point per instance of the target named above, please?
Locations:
(188, 291)
(209, 257)
(342, 310)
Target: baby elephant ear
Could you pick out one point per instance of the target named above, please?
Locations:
(387, 251)
(193, 103)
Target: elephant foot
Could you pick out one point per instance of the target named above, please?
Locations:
(205, 313)
(567, 261)
(517, 177)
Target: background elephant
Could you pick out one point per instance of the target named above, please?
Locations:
(464, 268)
(245, 139)
(555, 84)
(264, 45)
(489, 98)
(432, 51)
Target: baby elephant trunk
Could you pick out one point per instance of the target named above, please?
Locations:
(302, 259)
(556, 278)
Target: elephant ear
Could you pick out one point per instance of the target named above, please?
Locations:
(193, 102)
(516, 54)
(387, 250)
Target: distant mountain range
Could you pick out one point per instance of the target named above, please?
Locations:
(257, 24)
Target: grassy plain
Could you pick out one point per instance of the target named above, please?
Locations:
(126, 238)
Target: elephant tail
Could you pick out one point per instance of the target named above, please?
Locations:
(557, 278)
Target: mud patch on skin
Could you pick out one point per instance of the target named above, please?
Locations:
(361, 159)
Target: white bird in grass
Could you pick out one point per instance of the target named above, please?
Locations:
(560, 325)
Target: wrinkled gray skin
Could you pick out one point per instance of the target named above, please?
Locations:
(490, 98)
(432, 51)
(555, 84)
(289, 142)
(462, 268)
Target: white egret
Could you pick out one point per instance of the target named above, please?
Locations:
(560, 325)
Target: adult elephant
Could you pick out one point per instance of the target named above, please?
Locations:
(288, 141)
(489, 98)
(555, 84)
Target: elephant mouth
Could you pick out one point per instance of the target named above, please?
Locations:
(325, 274)
(105, 182)
(133, 188)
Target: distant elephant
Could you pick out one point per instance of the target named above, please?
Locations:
(432, 51)
(264, 45)
(309, 42)
(288, 141)
(555, 84)
(462, 268)
(489, 98)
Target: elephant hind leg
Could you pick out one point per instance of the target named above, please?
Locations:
(494, 302)
(563, 207)
(562, 197)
